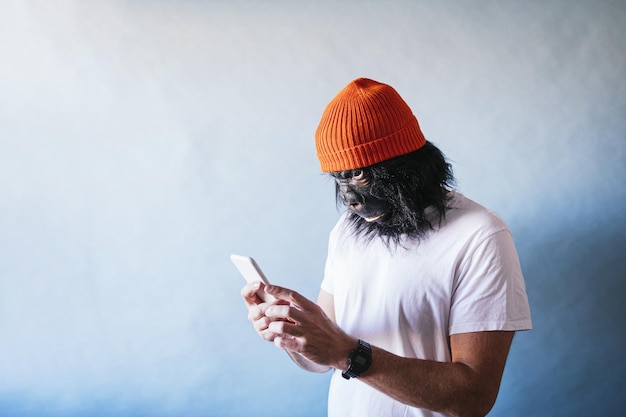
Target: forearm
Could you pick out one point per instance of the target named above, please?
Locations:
(451, 388)
(306, 364)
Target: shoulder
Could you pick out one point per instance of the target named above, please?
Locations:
(466, 213)
(470, 222)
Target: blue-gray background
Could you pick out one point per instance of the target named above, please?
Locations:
(141, 142)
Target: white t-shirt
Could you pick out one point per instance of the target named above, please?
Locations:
(464, 277)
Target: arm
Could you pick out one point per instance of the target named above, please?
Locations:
(467, 386)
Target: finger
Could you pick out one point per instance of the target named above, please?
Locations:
(255, 311)
(287, 342)
(285, 312)
(290, 296)
(285, 328)
(249, 292)
(261, 324)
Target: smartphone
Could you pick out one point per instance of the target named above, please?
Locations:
(252, 273)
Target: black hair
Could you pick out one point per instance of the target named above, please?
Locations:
(415, 185)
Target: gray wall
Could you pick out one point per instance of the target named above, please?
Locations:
(141, 142)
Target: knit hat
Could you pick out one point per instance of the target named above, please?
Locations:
(366, 123)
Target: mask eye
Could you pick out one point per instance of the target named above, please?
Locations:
(358, 174)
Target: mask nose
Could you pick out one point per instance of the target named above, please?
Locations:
(350, 197)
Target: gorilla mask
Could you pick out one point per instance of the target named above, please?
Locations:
(403, 197)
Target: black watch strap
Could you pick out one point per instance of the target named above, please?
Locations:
(359, 360)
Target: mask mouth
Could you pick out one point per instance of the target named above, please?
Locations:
(370, 210)
(374, 218)
(369, 216)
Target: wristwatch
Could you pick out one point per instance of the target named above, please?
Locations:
(359, 360)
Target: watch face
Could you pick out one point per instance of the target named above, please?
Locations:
(361, 360)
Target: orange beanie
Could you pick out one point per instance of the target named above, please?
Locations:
(366, 123)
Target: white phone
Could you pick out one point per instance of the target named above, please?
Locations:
(252, 273)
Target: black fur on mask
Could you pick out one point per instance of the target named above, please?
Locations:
(411, 184)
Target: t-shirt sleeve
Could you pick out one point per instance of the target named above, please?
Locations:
(333, 238)
(327, 282)
(489, 292)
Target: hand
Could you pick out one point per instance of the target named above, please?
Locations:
(257, 308)
(301, 326)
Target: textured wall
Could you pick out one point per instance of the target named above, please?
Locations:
(141, 142)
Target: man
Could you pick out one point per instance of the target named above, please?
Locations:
(422, 291)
